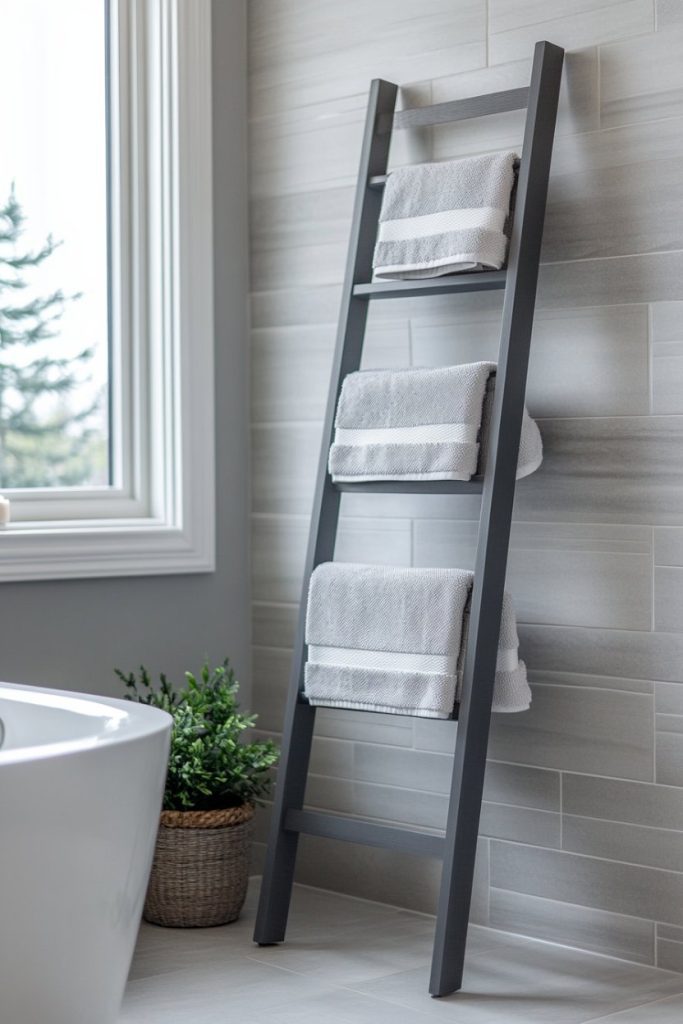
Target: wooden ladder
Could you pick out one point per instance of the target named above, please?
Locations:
(457, 847)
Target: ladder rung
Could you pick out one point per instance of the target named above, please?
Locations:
(368, 833)
(461, 110)
(473, 281)
(473, 486)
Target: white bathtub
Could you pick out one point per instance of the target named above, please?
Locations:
(81, 782)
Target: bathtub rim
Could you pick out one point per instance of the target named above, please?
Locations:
(137, 721)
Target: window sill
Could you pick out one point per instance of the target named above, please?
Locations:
(103, 548)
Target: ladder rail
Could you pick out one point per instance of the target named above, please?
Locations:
(278, 872)
(479, 669)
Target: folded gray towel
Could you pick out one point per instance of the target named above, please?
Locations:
(419, 424)
(445, 218)
(393, 639)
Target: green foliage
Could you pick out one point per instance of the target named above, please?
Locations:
(38, 449)
(210, 766)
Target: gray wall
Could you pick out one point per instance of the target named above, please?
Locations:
(70, 634)
(583, 821)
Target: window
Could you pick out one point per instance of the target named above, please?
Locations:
(106, 332)
(54, 312)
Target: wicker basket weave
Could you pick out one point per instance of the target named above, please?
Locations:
(201, 868)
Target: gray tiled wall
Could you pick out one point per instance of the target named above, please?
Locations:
(582, 827)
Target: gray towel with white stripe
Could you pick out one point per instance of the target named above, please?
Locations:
(391, 639)
(445, 218)
(419, 424)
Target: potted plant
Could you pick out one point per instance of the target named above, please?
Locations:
(201, 861)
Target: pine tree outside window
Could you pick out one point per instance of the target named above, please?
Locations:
(106, 330)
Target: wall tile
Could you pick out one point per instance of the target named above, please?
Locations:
(282, 358)
(520, 824)
(652, 277)
(284, 464)
(670, 955)
(505, 783)
(291, 67)
(374, 541)
(591, 362)
(669, 599)
(667, 357)
(669, 749)
(273, 625)
(605, 571)
(522, 786)
(594, 682)
(365, 727)
(658, 848)
(385, 876)
(609, 653)
(435, 736)
(519, 801)
(400, 804)
(507, 15)
(598, 731)
(669, 547)
(279, 544)
(558, 22)
(669, 698)
(668, 13)
(627, 470)
(319, 145)
(612, 934)
(332, 758)
(630, 91)
(415, 506)
(658, 807)
(599, 174)
(270, 670)
(278, 547)
(310, 228)
(294, 306)
(331, 794)
(316, 147)
(619, 888)
(413, 769)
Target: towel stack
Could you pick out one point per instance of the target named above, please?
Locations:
(419, 424)
(393, 640)
(445, 218)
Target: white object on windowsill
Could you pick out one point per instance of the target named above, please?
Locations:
(4, 511)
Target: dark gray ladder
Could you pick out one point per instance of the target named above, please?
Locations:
(457, 847)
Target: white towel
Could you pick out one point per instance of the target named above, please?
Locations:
(419, 424)
(445, 218)
(393, 640)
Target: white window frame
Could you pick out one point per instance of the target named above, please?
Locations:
(159, 515)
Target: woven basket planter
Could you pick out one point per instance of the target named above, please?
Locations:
(201, 868)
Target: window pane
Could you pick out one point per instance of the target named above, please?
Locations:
(54, 336)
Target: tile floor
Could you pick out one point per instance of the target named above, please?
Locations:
(347, 961)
